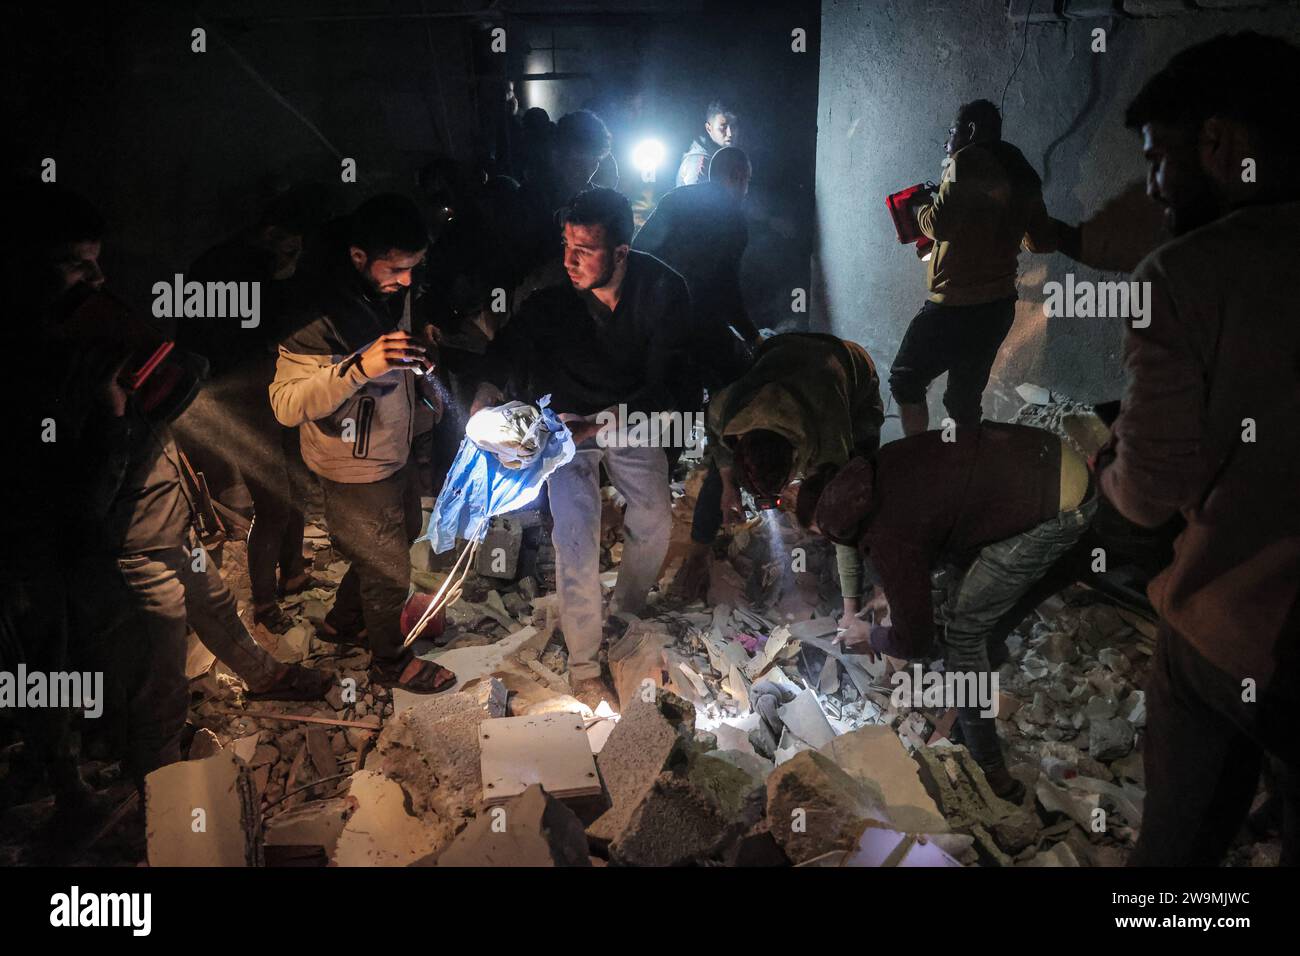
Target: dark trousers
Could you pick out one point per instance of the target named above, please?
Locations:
(995, 581)
(962, 340)
(707, 519)
(34, 631)
(275, 539)
(156, 597)
(1203, 754)
(373, 525)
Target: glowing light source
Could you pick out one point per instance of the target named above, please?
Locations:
(647, 156)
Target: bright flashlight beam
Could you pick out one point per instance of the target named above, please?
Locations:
(648, 155)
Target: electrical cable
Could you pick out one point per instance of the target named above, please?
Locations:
(1016, 69)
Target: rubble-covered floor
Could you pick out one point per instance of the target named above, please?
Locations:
(766, 745)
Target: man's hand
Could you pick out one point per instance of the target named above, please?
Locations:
(878, 607)
(855, 635)
(580, 426)
(733, 508)
(486, 396)
(398, 350)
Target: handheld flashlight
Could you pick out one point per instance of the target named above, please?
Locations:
(647, 156)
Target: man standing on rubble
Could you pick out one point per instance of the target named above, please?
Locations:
(611, 340)
(1001, 502)
(809, 402)
(990, 200)
(349, 378)
(1208, 429)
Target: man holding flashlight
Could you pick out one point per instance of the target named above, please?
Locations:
(809, 403)
(350, 377)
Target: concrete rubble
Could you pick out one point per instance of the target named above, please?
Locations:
(743, 734)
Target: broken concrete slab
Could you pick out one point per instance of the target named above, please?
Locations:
(550, 750)
(958, 786)
(432, 751)
(805, 718)
(647, 737)
(202, 813)
(204, 744)
(877, 758)
(381, 831)
(531, 829)
(319, 824)
(814, 807)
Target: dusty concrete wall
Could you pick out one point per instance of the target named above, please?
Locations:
(892, 75)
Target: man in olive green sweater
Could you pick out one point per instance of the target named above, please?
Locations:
(990, 200)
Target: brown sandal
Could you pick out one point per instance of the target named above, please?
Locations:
(414, 675)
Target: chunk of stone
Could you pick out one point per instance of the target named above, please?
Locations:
(531, 829)
(876, 757)
(381, 831)
(814, 807)
(1110, 739)
(1058, 649)
(217, 792)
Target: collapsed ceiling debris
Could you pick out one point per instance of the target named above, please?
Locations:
(746, 736)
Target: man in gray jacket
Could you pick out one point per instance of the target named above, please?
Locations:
(349, 377)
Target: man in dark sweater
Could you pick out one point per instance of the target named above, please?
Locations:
(700, 231)
(605, 345)
(990, 200)
(1207, 429)
(1000, 502)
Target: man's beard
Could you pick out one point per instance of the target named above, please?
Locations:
(600, 283)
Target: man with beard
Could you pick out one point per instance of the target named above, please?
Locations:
(1208, 430)
(350, 377)
(608, 340)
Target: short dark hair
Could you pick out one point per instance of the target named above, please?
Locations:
(386, 222)
(763, 461)
(297, 210)
(810, 493)
(727, 161)
(1248, 77)
(601, 206)
(582, 131)
(50, 215)
(984, 114)
(716, 107)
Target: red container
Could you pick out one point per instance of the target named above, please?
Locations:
(903, 213)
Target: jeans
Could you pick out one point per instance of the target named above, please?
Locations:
(962, 340)
(373, 524)
(1203, 754)
(167, 595)
(640, 475)
(998, 577)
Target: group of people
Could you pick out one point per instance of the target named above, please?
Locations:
(382, 328)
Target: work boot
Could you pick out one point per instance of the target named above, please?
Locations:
(1005, 786)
